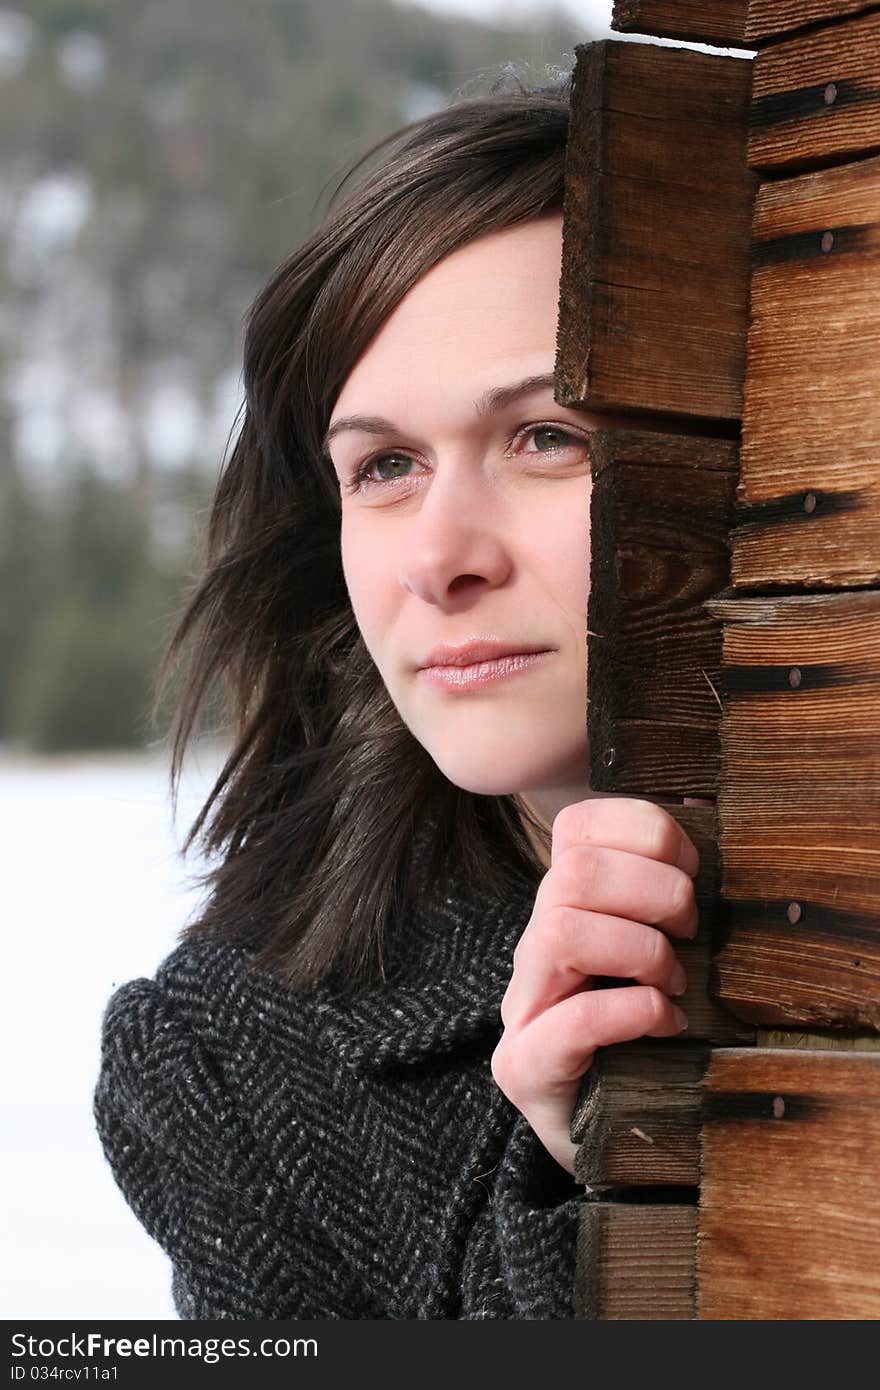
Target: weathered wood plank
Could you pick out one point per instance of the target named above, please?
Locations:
(798, 810)
(719, 22)
(789, 1214)
(636, 1261)
(767, 18)
(808, 505)
(655, 265)
(816, 98)
(827, 1039)
(637, 1120)
(708, 1020)
(660, 513)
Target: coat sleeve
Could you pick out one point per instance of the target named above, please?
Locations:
(522, 1255)
(186, 1164)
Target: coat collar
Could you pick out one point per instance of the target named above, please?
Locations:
(451, 960)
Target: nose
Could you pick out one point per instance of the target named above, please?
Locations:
(455, 544)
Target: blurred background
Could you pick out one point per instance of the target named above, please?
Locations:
(157, 160)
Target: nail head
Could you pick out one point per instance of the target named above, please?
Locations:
(793, 912)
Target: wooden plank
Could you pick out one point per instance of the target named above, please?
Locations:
(638, 1117)
(708, 1019)
(657, 216)
(636, 1261)
(808, 506)
(660, 513)
(827, 1039)
(789, 1213)
(719, 22)
(816, 98)
(798, 935)
(767, 18)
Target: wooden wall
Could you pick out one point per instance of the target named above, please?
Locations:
(721, 277)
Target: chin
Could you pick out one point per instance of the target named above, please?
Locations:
(503, 775)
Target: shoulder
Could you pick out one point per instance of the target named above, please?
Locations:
(205, 996)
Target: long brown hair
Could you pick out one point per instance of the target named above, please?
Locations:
(312, 817)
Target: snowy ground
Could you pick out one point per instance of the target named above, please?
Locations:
(94, 893)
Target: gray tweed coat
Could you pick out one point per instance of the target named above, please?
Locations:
(300, 1156)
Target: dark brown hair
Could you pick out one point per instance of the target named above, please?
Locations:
(312, 817)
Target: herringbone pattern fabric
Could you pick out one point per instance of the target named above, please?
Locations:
(304, 1156)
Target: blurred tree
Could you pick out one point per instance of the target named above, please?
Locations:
(157, 160)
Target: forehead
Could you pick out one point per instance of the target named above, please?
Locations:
(491, 302)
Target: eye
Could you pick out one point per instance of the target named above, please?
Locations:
(392, 467)
(567, 436)
(363, 478)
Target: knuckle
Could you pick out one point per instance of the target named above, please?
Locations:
(498, 1064)
(683, 894)
(505, 1010)
(571, 822)
(656, 1006)
(505, 1069)
(658, 953)
(665, 836)
(556, 931)
(565, 822)
(577, 873)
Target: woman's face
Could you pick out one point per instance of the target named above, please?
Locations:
(471, 521)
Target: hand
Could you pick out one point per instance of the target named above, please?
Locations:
(620, 878)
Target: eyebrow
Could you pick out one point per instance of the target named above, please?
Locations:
(495, 399)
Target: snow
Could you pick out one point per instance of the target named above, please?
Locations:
(95, 894)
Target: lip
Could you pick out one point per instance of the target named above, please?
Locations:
(476, 650)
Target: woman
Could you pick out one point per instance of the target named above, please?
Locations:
(345, 1094)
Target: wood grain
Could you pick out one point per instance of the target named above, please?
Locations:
(655, 260)
(636, 1261)
(808, 503)
(816, 98)
(720, 22)
(789, 1213)
(767, 18)
(638, 1116)
(660, 513)
(797, 935)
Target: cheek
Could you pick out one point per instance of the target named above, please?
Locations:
(369, 581)
(561, 552)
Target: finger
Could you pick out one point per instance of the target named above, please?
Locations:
(568, 946)
(598, 879)
(625, 823)
(543, 1059)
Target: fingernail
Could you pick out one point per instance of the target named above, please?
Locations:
(678, 979)
(680, 1017)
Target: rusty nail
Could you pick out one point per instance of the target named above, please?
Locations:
(827, 241)
(794, 677)
(793, 912)
(810, 502)
(830, 93)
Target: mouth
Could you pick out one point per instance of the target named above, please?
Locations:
(460, 676)
(475, 650)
